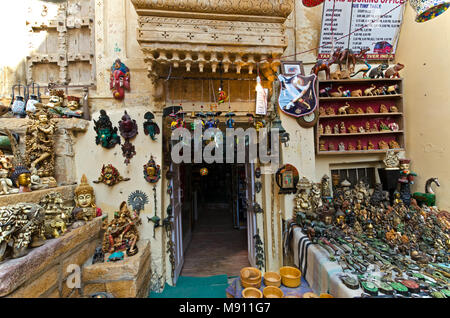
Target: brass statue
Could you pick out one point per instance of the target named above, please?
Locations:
(6, 185)
(85, 208)
(21, 226)
(57, 216)
(122, 232)
(40, 146)
(21, 178)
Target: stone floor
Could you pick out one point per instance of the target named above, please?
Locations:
(216, 247)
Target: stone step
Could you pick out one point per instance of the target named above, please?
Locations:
(35, 196)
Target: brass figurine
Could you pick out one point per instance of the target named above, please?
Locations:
(85, 208)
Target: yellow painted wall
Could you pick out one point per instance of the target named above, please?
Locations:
(424, 48)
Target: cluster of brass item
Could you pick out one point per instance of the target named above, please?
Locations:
(364, 232)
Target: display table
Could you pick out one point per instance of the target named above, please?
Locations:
(235, 289)
(318, 270)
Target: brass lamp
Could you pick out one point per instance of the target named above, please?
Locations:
(429, 9)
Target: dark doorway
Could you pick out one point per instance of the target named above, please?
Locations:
(214, 218)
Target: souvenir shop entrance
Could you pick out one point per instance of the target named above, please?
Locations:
(213, 224)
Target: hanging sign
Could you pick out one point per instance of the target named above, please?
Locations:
(375, 23)
(261, 101)
(297, 94)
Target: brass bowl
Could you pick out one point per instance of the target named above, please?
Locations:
(246, 284)
(272, 292)
(250, 274)
(251, 292)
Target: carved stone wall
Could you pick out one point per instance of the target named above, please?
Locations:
(61, 39)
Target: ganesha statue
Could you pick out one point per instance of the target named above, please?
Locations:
(85, 208)
(57, 215)
(120, 79)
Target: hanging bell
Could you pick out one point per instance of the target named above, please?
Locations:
(284, 136)
(429, 9)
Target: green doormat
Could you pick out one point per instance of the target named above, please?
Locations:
(195, 287)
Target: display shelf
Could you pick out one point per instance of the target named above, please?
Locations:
(369, 110)
(363, 115)
(363, 134)
(376, 97)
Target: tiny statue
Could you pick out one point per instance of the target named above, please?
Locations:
(369, 110)
(85, 208)
(369, 91)
(361, 129)
(352, 129)
(122, 232)
(383, 126)
(374, 127)
(343, 110)
(383, 145)
(405, 180)
(110, 176)
(99, 256)
(322, 146)
(394, 127)
(151, 128)
(330, 111)
(57, 216)
(328, 130)
(393, 71)
(377, 72)
(342, 128)
(316, 197)
(36, 181)
(383, 109)
(107, 135)
(119, 79)
(152, 171)
(6, 185)
(331, 146)
(351, 147)
(359, 111)
(359, 145)
(321, 131)
(128, 130)
(394, 145)
(22, 227)
(336, 129)
(21, 178)
(370, 146)
(391, 161)
(72, 109)
(302, 199)
(341, 146)
(40, 146)
(393, 109)
(367, 129)
(56, 98)
(322, 112)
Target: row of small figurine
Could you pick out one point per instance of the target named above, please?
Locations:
(352, 129)
(373, 90)
(382, 145)
(349, 110)
(21, 106)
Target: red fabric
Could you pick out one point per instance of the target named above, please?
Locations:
(312, 3)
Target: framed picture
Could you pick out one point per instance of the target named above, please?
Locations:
(292, 68)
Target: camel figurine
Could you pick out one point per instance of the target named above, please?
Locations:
(339, 92)
(369, 91)
(393, 71)
(343, 110)
(351, 58)
(324, 65)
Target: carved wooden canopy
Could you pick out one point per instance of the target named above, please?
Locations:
(201, 35)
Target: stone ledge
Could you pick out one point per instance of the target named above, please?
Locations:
(19, 125)
(35, 196)
(16, 272)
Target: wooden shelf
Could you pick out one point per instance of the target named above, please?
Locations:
(362, 80)
(360, 98)
(358, 152)
(362, 115)
(363, 134)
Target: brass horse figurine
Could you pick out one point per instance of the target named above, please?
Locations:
(324, 65)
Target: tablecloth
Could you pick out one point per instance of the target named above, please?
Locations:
(320, 273)
(235, 289)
